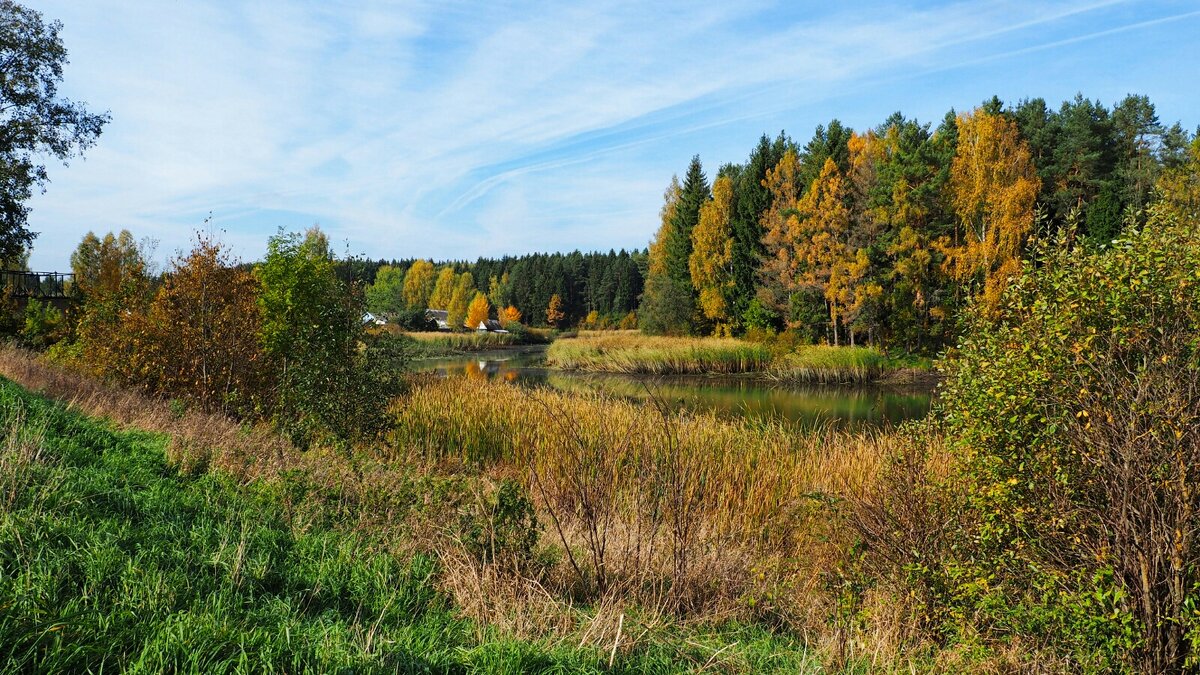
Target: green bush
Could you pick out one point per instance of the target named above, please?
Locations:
(1075, 415)
(44, 325)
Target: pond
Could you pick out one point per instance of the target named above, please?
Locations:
(739, 396)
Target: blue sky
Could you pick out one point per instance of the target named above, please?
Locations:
(452, 130)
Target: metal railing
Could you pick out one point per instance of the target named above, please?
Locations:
(40, 285)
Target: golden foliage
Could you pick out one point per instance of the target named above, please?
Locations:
(418, 284)
(443, 289)
(712, 251)
(993, 189)
(554, 311)
(478, 311)
(1180, 186)
(510, 314)
(199, 341)
(460, 300)
(658, 254)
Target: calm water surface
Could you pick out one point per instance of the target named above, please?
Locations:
(807, 405)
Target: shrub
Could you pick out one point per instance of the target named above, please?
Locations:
(199, 339)
(1076, 413)
(312, 329)
(44, 325)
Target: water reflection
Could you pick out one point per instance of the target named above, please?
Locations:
(734, 396)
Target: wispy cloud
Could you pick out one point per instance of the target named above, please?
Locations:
(454, 130)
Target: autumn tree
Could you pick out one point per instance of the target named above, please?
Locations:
(993, 189)
(777, 272)
(443, 289)
(510, 314)
(200, 339)
(478, 310)
(111, 279)
(1180, 184)
(554, 311)
(657, 260)
(460, 300)
(712, 254)
(105, 266)
(418, 285)
(751, 199)
(806, 237)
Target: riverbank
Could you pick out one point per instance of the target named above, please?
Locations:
(189, 557)
(432, 345)
(631, 352)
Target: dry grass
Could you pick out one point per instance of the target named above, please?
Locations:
(689, 514)
(198, 440)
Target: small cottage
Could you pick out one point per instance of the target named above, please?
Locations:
(490, 326)
(439, 316)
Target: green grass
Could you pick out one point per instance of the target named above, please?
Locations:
(822, 363)
(111, 560)
(634, 353)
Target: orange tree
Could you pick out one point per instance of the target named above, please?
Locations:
(200, 338)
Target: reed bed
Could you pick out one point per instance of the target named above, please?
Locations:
(633, 353)
(668, 524)
(829, 365)
(675, 510)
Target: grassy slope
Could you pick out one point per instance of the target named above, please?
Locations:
(110, 559)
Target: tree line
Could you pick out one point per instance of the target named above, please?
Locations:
(541, 289)
(281, 340)
(884, 235)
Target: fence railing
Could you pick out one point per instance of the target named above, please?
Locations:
(40, 285)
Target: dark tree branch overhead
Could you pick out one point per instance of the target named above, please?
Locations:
(34, 121)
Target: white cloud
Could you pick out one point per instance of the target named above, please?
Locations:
(451, 130)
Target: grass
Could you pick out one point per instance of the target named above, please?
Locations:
(825, 364)
(681, 500)
(117, 555)
(634, 353)
(433, 345)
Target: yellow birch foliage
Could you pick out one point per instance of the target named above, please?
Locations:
(1180, 186)
(478, 310)
(658, 256)
(712, 251)
(418, 284)
(443, 289)
(993, 188)
(460, 300)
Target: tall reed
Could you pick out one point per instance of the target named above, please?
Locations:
(671, 507)
(634, 353)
